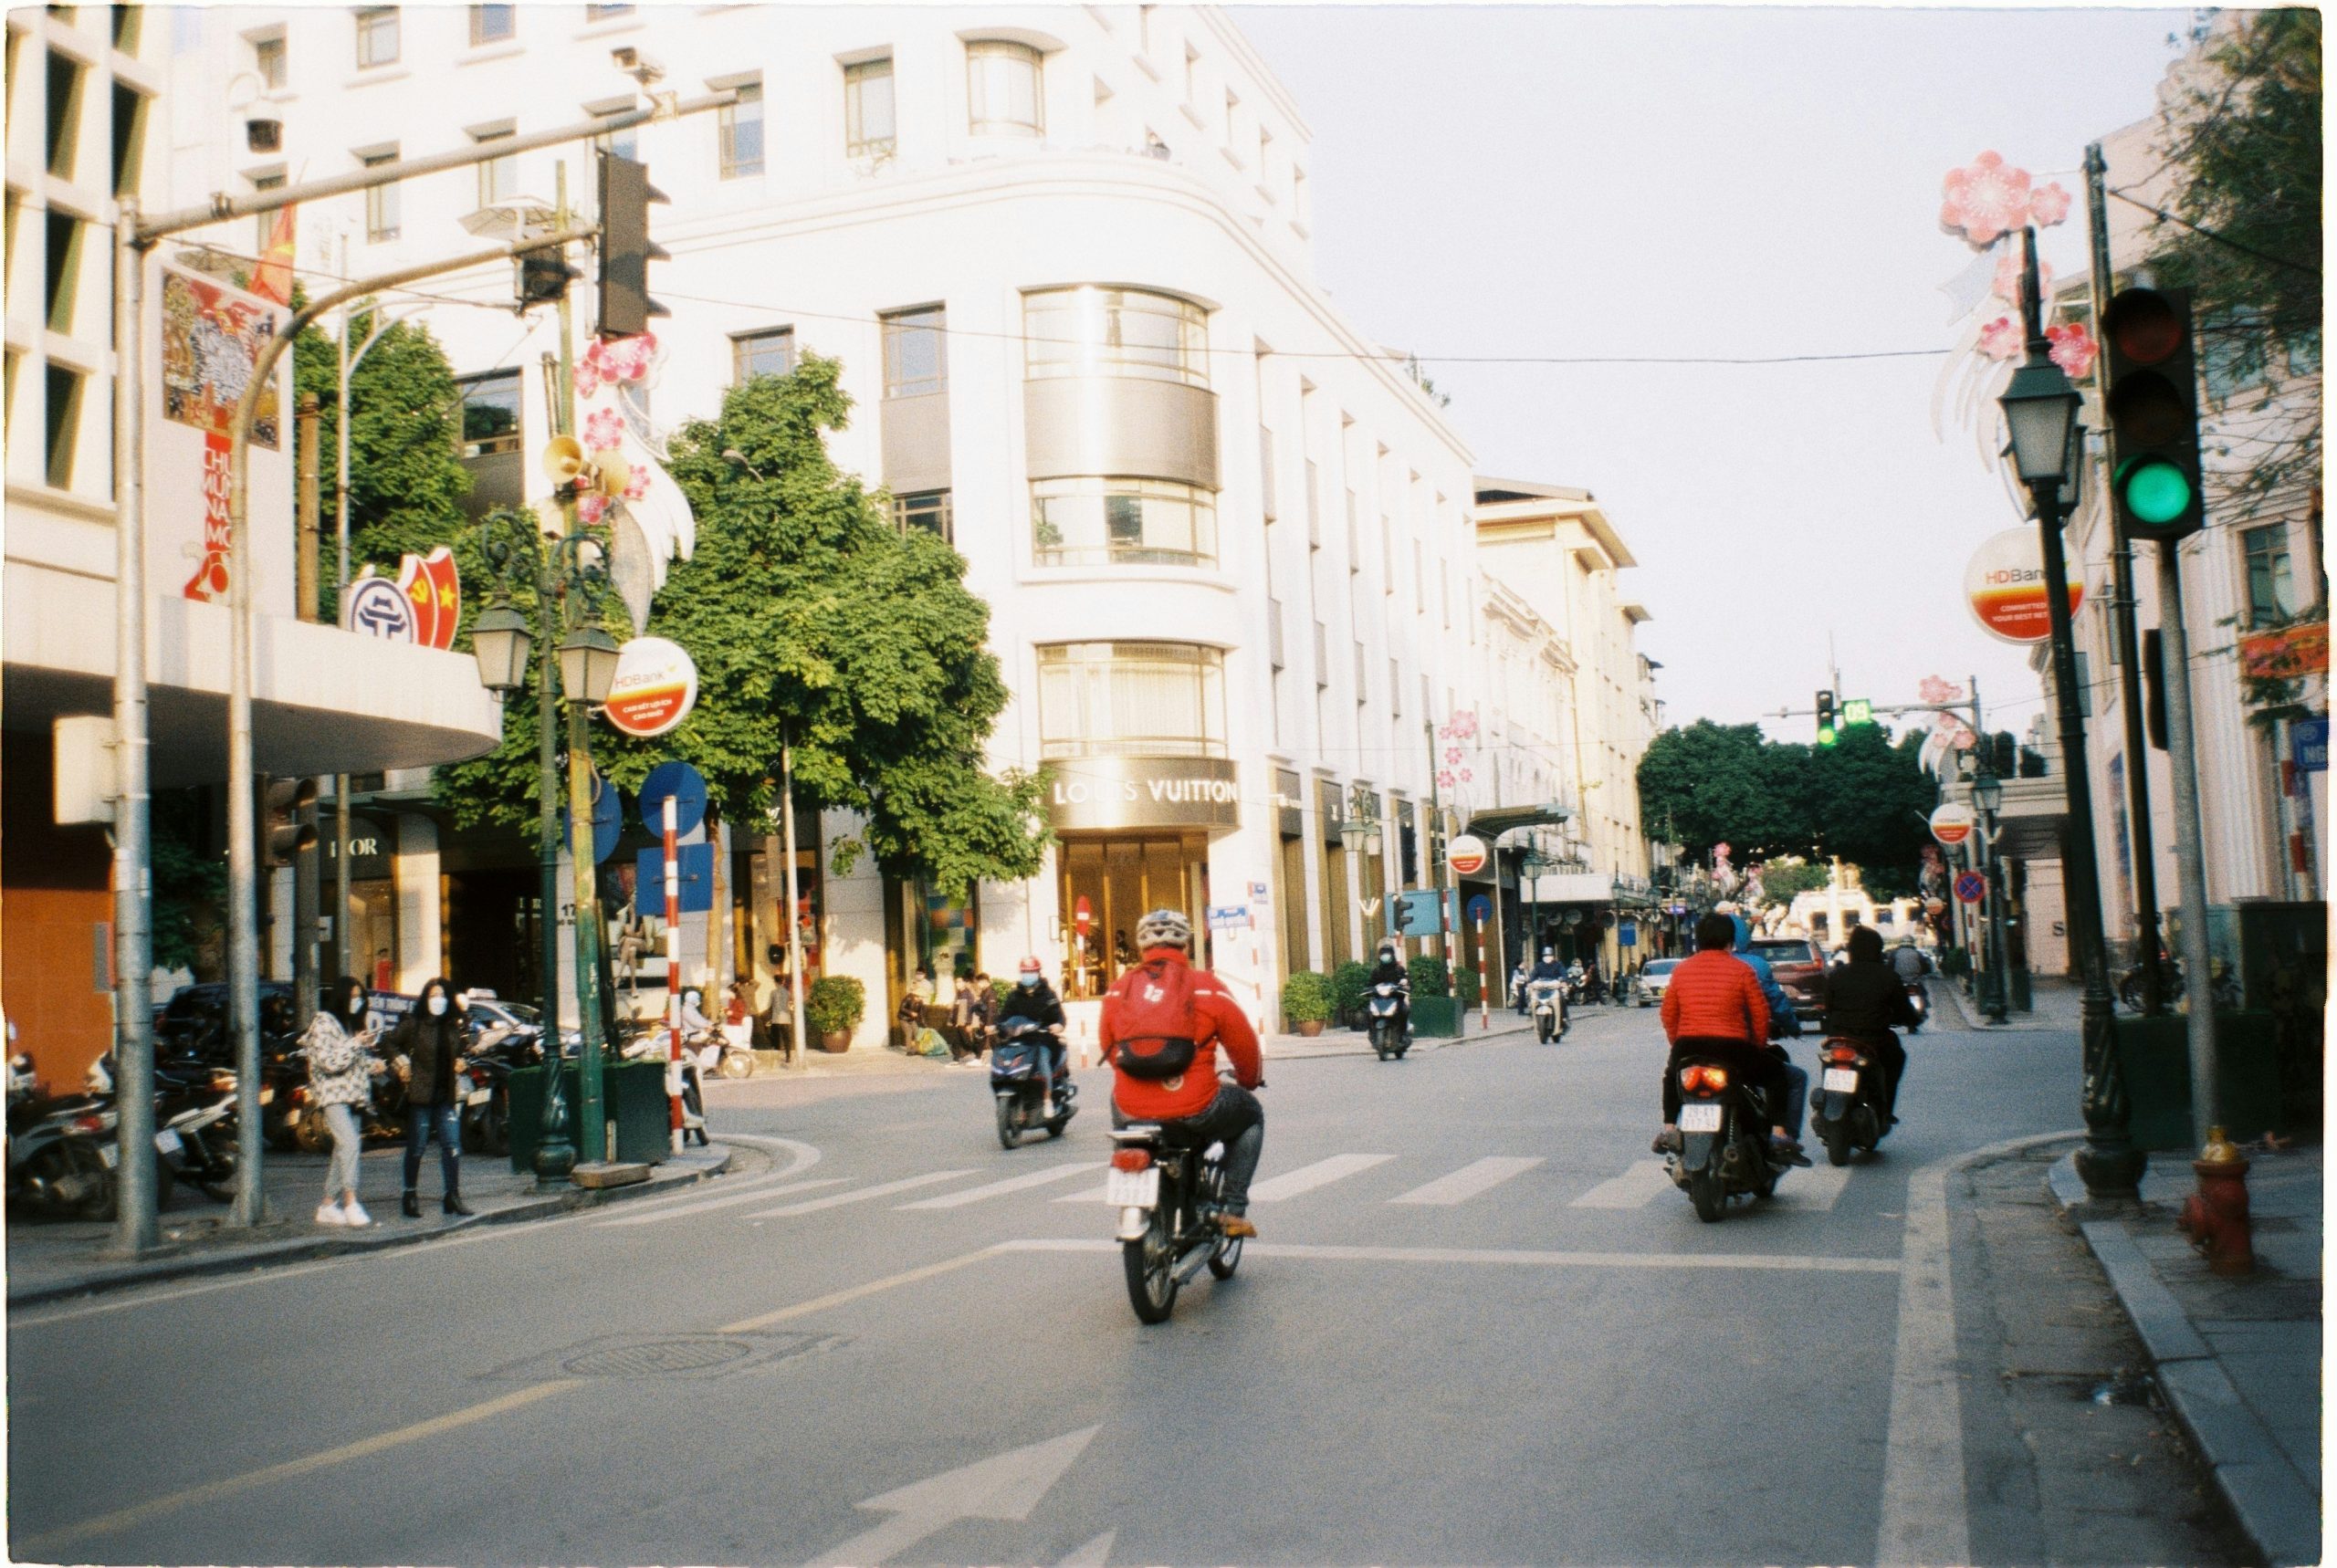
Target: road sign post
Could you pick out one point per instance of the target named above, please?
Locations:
(1478, 907)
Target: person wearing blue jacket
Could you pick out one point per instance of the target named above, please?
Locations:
(1783, 1022)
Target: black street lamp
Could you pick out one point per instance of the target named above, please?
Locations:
(1988, 795)
(2040, 417)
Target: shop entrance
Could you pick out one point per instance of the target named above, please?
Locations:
(1118, 878)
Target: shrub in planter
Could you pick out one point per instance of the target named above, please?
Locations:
(1350, 983)
(1430, 978)
(1306, 997)
(1466, 990)
(834, 1006)
(1955, 961)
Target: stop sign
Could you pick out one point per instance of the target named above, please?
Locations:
(1081, 917)
(1466, 855)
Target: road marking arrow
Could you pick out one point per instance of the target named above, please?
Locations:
(1005, 1486)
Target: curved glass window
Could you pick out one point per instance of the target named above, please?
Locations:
(1002, 89)
(1131, 699)
(1093, 331)
(1121, 522)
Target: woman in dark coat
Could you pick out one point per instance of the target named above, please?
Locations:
(432, 1039)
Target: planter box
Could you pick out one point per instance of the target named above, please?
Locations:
(1436, 1018)
(2155, 1055)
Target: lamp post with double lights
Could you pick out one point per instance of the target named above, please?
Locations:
(2040, 410)
(562, 576)
(1359, 832)
(1988, 795)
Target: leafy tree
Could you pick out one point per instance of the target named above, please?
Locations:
(811, 619)
(1859, 798)
(1781, 880)
(189, 885)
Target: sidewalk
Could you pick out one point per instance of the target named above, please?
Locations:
(69, 1258)
(2053, 1004)
(2238, 1359)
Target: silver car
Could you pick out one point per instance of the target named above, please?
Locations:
(1653, 978)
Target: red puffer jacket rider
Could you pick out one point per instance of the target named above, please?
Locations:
(1217, 1020)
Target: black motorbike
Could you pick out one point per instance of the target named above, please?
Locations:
(1390, 1018)
(1846, 1108)
(1919, 1000)
(194, 1120)
(1019, 1081)
(485, 1086)
(1725, 1150)
(1166, 1190)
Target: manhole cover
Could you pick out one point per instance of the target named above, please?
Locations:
(688, 1355)
(656, 1358)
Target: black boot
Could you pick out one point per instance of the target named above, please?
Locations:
(454, 1203)
(411, 1204)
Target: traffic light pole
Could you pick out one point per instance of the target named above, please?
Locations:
(2190, 864)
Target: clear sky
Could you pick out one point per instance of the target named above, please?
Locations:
(1546, 180)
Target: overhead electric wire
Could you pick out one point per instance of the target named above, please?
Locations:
(2161, 213)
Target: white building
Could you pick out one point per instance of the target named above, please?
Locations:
(1063, 253)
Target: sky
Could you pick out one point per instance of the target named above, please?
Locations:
(1563, 181)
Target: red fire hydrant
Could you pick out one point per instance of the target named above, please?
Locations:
(2215, 1216)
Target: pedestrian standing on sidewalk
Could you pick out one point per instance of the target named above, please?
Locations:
(339, 1048)
(431, 1038)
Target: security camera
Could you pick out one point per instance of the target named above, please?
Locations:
(264, 135)
(641, 67)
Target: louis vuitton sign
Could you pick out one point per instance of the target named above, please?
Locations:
(1114, 792)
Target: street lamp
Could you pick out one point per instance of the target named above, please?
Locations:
(588, 665)
(499, 640)
(1359, 832)
(1988, 794)
(2040, 415)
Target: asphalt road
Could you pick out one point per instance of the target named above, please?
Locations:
(1478, 1327)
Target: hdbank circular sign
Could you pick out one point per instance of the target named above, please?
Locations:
(2005, 585)
(655, 689)
(1108, 793)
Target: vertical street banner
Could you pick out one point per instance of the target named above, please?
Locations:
(201, 359)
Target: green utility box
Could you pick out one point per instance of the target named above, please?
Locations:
(2155, 1056)
(1436, 1018)
(635, 1096)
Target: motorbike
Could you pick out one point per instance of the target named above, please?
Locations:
(1548, 1000)
(1391, 1023)
(487, 1070)
(1725, 1149)
(1166, 1190)
(685, 1073)
(1018, 1084)
(196, 1107)
(1517, 980)
(1919, 1000)
(1846, 1108)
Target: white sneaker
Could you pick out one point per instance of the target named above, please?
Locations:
(328, 1215)
(353, 1214)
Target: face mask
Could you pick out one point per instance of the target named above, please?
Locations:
(437, 1006)
(1026, 979)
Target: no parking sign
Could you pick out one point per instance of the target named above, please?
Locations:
(1971, 887)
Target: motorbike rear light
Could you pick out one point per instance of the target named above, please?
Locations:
(92, 1123)
(1841, 1053)
(1699, 1078)
(1132, 1159)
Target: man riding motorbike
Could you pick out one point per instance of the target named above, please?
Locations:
(1391, 970)
(1714, 1007)
(1035, 999)
(1907, 961)
(1864, 1001)
(1785, 1020)
(1164, 1008)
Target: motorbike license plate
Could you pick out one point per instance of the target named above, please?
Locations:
(1700, 1116)
(1842, 1080)
(268, 1096)
(167, 1141)
(477, 1097)
(112, 1156)
(1133, 1189)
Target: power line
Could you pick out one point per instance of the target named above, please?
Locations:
(2162, 214)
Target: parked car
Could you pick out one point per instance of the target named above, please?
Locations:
(1800, 969)
(1653, 978)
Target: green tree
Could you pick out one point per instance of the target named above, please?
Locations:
(810, 618)
(1782, 879)
(1859, 799)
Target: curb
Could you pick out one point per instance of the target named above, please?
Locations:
(296, 1250)
(2271, 1501)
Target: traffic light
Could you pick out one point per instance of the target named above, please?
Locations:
(2154, 688)
(285, 828)
(626, 250)
(1857, 710)
(1826, 728)
(544, 276)
(2152, 405)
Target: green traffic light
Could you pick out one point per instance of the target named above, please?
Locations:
(2156, 491)
(1826, 735)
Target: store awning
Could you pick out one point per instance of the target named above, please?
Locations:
(1491, 825)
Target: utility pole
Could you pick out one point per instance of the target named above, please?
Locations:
(304, 891)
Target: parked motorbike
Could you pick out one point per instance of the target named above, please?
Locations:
(1549, 1003)
(1846, 1108)
(1725, 1149)
(1390, 1019)
(684, 1075)
(1167, 1191)
(1919, 1000)
(1019, 1082)
(196, 1104)
(1517, 981)
(487, 1071)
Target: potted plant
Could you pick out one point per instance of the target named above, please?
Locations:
(832, 1009)
(1435, 1014)
(1307, 1002)
(1350, 983)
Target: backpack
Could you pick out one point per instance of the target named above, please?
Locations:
(1154, 1040)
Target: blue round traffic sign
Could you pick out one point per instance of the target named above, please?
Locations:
(608, 820)
(1971, 887)
(1480, 908)
(685, 786)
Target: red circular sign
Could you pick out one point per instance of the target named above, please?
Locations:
(1971, 887)
(1467, 855)
(1081, 917)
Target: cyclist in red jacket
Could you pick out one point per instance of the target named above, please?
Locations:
(1163, 1021)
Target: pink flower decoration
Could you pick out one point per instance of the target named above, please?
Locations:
(2049, 204)
(2001, 338)
(592, 508)
(588, 376)
(627, 358)
(636, 484)
(2007, 286)
(1444, 780)
(602, 429)
(2073, 347)
(1985, 200)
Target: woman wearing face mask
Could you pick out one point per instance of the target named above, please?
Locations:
(1035, 999)
(339, 1046)
(432, 1039)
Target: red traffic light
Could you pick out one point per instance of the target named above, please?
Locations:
(2144, 325)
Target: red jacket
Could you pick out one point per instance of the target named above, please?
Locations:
(1715, 995)
(1216, 1021)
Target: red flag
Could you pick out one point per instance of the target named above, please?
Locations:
(272, 278)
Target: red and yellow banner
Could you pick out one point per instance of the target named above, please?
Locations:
(2287, 653)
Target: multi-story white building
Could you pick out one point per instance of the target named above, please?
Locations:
(1064, 255)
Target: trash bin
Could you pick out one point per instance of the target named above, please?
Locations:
(634, 1094)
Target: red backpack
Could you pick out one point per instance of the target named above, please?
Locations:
(1154, 1021)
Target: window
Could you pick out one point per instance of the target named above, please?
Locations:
(267, 59)
(493, 24)
(2231, 352)
(1419, 578)
(64, 115)
(927, 509)
(64, 278)
(499, 178)
(606, 12)
(768, 353)
(1131, 699)
(868, 108)
(1002, 89)
(490, 414)
(126, 20)
(1298, 195)
(915, 364)
(1267, 504)
(739, 127)
(1121, 522)
(1090, 330)
(1144, 29)
(1395, 690)
(63, 431)
(381, 201)
(377, 37)
(2271, 584)
(264, 224)
(129, 137)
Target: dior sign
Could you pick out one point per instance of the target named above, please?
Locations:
(1114, 792)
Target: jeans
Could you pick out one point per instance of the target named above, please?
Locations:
(1235, 1119)
(1783, 1085)
(421, 1122)
(341, 1173)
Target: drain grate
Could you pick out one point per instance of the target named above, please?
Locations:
(660, 1355)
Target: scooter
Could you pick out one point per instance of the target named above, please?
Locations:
(1725, 1150)
(1391, 1020)
(1517, 979)
(1549, 1004)
(1919, 1000)
(1019, 1082)
(1166, 1192)
(1846, 1109)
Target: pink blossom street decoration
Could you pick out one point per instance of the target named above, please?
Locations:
(1984, 199)
(2049, 204)
(623, 359)
(2007, 286)
(636, 484)
(1938, 689)
(2073, 349)
(602, 429)
(592, 508)
(2001, 339)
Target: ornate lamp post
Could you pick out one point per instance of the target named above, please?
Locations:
(2040, 413)
(1988, 795)
(1359, 832)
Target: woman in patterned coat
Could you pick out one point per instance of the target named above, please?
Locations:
(339, 1048)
